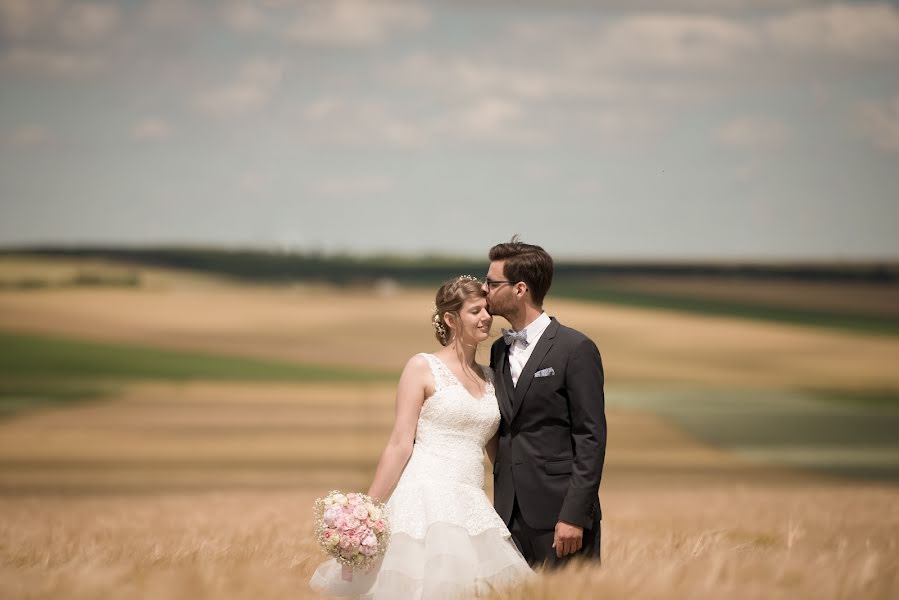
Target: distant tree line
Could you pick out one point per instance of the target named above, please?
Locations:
(274, 266)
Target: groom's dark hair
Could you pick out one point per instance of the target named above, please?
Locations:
(528, 263)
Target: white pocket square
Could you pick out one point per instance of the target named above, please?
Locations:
(545, 372)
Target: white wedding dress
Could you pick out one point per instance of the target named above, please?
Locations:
(446, 539)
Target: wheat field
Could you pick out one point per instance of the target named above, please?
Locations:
(203, 489)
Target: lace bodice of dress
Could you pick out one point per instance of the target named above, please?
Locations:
(453, 428)
(452, 416)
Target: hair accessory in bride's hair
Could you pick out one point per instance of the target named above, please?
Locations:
(438, 323)
(468, 278)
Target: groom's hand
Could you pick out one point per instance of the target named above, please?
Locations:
(568, 539)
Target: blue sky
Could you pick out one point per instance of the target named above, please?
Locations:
(714, 129)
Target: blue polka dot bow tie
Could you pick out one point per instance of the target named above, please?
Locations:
(512, 336)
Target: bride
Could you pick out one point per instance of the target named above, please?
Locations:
(446, 540)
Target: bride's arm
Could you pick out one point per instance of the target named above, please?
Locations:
(492, 443)
(410, 396)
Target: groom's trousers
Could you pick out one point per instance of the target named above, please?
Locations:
(536, 544)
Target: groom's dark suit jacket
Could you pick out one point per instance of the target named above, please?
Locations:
(552, 435)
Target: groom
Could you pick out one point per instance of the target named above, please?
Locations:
(552, 435)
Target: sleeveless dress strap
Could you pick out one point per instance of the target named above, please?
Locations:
(443, 377)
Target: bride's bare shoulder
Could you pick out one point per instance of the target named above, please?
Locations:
(418, 365)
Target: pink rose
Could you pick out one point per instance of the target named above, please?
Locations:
(380, 526)
(360, 512)
(331, 514)
(369, 540)
(331, 538)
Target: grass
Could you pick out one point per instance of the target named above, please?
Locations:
(862, 398)
(818, 541)
(20, 395)
(81, 279)
(867, 323)
(35, 357)
(40, 371)
(847, 434)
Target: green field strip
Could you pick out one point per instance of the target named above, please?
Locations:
(875, 324)
(872, 398)
(27, 356)
(809, 430)
(19, 395)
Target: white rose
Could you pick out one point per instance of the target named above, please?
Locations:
(340, 499)
(374, 512)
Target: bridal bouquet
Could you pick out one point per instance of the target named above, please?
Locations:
(352, 528)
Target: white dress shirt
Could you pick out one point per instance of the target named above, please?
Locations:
(520, 353)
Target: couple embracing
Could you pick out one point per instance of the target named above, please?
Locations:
(537, 410)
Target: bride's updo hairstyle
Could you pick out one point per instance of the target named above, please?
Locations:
(450, 298)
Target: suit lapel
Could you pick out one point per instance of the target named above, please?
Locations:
(527, 373)
(503, 383)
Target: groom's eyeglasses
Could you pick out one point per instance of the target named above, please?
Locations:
(491, 284)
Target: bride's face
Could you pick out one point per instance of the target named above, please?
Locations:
(475, 321)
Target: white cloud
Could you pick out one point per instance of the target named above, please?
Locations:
(363, 123)
(468, 76)
(167, 13)
(337, 121)
(359, 186)
(151, 128)
(243, 16)
(703, 6)
(256, 83)
(488, 115)
(49, 38)
(355, 22)
(490, 120)
(644, 41)
(50, 62)
(673, 41)
(628, 57)
(753, 132)
(622, 123)
(32, 135)
(471, 79)
(621, 61)
(853, 30)
(20, 18)
(54, 21)
(88, 23)
(880, 123)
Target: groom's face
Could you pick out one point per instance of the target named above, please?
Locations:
(499, 292)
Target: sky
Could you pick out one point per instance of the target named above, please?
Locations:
(620, 129)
